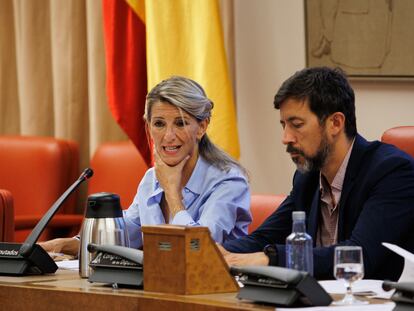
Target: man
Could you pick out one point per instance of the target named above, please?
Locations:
(354, 192)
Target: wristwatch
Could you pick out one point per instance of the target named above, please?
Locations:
(270, 251)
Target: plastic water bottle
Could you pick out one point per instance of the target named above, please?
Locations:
(299, 246)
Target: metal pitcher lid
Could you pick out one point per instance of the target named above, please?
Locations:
(103, 205)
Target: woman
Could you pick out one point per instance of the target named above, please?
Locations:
(193, 182)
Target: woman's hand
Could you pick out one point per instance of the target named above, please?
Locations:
(170, 179)
(68, 246)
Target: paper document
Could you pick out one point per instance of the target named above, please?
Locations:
(368, 288)
(408, 271)
(371, 307)
(68, 264)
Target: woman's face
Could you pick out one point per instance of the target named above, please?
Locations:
(175, 133)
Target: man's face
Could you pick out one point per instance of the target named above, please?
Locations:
(305, 138)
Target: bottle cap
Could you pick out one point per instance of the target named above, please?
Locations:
(298, 216)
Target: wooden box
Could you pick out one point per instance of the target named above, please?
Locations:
(184, 260)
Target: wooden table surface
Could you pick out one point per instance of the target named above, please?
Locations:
(65, 290)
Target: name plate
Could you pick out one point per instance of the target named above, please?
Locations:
(184, 260)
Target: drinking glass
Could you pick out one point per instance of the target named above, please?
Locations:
(349, 267)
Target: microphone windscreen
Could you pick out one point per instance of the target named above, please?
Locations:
(87, 173)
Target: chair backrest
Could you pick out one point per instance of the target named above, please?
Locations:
(6, 216)
(401, 137)
(37, 170)
(262, 205)
(118, 168)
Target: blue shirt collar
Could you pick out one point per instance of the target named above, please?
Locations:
(195, 183)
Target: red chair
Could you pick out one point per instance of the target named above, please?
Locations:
(118, 168)
(402, 137)
(262, 205)
(37, 170)
(6, 216)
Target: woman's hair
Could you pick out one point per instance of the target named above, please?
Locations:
(189, 96)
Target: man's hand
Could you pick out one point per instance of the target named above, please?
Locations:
(250, 259)
(222, 250)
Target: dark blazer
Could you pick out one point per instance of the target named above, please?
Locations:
(376, 205)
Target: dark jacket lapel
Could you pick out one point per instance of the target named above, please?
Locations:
(354, 165)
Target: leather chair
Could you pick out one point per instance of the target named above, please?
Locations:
(37, 170)
(402, 137)
(262, 205)
(6, 216)
(118, 168)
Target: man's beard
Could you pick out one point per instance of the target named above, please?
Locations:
(314, 163)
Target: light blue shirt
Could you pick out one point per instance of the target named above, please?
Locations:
(212, 198)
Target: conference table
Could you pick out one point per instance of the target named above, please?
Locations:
(65, 290)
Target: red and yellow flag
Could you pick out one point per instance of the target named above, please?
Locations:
(126, 70)
(183, 37)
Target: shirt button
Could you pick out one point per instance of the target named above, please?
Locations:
(186, 190)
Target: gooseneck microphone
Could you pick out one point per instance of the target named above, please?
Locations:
(31, 240)
(30, 258)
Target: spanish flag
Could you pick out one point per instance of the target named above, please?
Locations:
(183, 37)
(126, 70)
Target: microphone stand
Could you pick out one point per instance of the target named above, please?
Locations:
(30, 258)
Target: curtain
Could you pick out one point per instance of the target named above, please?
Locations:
(53, 71)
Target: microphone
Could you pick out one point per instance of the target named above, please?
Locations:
(30, 258)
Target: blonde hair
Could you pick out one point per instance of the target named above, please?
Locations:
(188, 95)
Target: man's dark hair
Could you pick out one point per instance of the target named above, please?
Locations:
(327, 91)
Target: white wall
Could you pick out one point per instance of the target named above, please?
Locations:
(269, 47)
